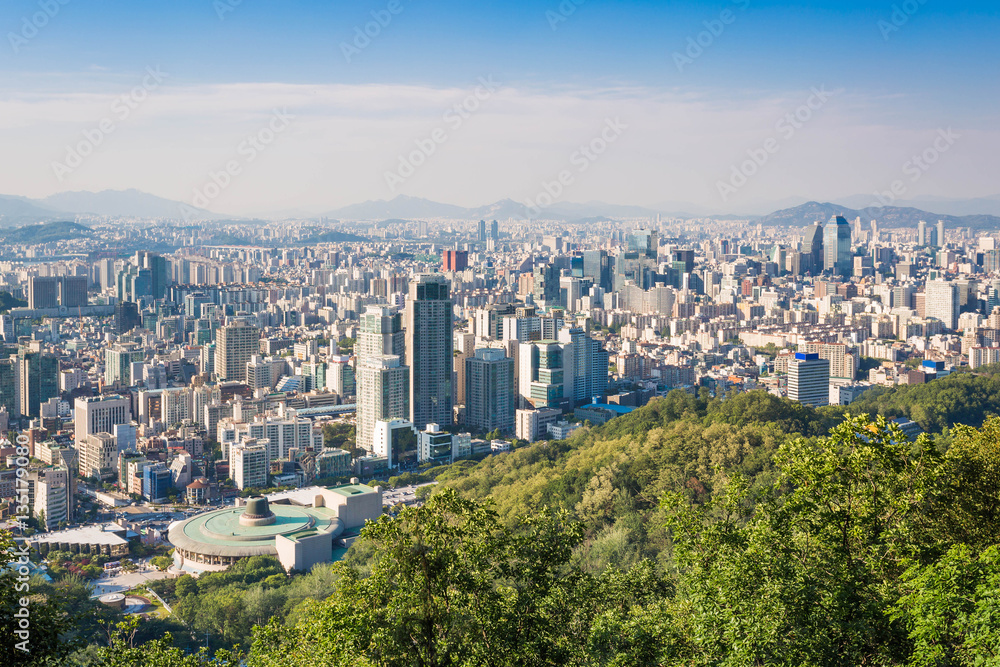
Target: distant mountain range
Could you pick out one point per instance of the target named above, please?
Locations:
(124, 203)
(978, 214)
(16, 211)
(888, 217)
(21, 210)
(943, 205)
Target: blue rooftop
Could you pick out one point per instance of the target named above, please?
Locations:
(620, 409)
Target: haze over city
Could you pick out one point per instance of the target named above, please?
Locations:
(697, 85)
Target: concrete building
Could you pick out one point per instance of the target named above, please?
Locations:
(108, 540)
(465, 347)
(381, 333)
(51, 494)
(942, 302)
(383, 394)
(983, 356)
(118, 363)
(99, 414)
(809, 379)
(533, 424)
(843, 364)
(98, 456)
(382, 377)
(264, 373)
(234, 345)
(429, 342)
(249, 464)
(300, 528)
(490, 391)
(587, 361)
(340, 376)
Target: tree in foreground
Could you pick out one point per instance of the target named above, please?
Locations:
(38, 622)
(845, 560)
(124, 651)
(451, 585)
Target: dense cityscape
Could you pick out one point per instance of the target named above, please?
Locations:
(209, 373)
(523, 334)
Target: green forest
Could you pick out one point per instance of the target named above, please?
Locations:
(697, 530)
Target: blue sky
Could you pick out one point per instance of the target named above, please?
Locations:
(938, 69)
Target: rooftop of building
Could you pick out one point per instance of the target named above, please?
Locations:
(220, 532)
(95, 534)
(614, 407)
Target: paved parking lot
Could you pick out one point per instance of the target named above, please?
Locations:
(406, 495)
(125, 581)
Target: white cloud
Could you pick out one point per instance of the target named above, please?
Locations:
(345, 137)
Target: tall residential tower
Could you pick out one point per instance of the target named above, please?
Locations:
(428, 323)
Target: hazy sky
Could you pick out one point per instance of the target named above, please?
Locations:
(670, 118)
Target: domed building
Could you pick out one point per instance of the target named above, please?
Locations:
(300, 528)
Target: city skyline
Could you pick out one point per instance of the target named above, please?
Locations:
(459, 333)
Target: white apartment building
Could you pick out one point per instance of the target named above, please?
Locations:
(249, 464)
(99, 414)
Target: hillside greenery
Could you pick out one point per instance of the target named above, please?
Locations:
(865, 549)
(8, 301)
(966, 397)
(697, 530)
(47, 232)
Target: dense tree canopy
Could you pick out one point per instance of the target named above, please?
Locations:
(695, 531)
(961, 398)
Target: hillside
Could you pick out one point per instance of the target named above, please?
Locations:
(20, 210)
(693, 531)
(47, 232)
(965, 397)
(865, 549)
(612, 477)
(125, 204)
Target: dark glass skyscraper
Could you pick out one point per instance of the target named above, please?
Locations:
(837, 247)
(38, 376)
(429, 344)
(812, 250)
(126, 317)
